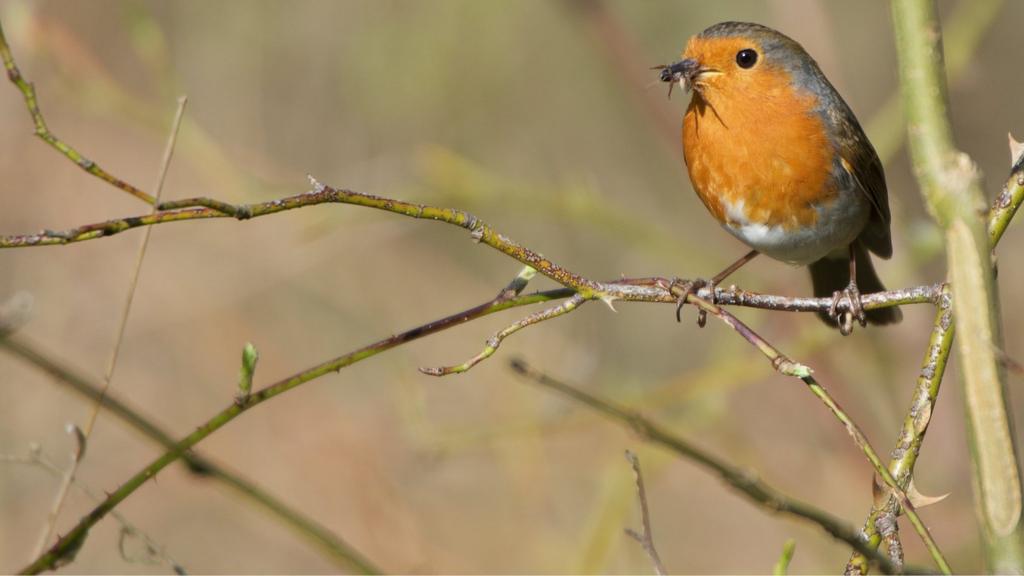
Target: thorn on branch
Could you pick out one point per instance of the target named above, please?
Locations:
(1016, 151)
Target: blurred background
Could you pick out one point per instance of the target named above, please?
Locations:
(543, 119)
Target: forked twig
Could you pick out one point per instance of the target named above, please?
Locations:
(495, 341)
(645, 537)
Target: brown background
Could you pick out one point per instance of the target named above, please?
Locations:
(540, 118)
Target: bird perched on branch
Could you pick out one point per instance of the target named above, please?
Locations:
(779, 159)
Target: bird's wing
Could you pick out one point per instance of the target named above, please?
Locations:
(861, 162)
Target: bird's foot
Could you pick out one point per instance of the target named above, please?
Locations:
(855, 312)
(684, 288)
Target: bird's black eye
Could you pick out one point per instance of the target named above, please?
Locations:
(746, 58)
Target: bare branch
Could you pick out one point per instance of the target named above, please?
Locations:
(645, 538)
(495, 341)
(28, 92)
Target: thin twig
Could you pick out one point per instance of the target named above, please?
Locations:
(746, 482)
(645, 537)
(28, 92)
(108, 374)
(38, 459)
(495, 341)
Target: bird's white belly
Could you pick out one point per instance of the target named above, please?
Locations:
(838, 224)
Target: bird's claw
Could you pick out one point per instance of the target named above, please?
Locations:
(855, 312)
(683, 288)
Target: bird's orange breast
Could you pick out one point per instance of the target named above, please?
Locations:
(763, 151)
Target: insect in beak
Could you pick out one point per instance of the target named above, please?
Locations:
(683, 71)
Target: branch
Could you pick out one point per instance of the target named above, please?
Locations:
(630, 290)
(28, 92)
(889, 529)
(915, 425)
(495, 341)
(644, 537)
(747, 483)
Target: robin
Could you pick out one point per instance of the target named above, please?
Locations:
(779, 159)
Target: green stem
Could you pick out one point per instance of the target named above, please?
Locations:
(28, 92)
(951, 187)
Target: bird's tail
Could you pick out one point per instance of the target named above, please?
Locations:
(830, 275)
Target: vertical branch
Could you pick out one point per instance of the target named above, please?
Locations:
(950, 185)
(645, 537)
(908, 443)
